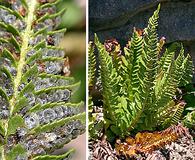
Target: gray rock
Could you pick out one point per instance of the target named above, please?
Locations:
(116, 19)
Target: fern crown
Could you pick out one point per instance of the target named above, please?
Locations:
(139, 85)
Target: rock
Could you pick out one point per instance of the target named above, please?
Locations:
(104, 13)
(101, 149)
(116, 19)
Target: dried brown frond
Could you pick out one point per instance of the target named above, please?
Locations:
(147, 142)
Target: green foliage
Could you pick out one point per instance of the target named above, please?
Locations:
(92, 65)
(139, 85)
(95, 125)
(189, 120)
(188, 94)
(91, 77)
(37, 114)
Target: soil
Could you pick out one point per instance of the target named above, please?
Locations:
(182, 149)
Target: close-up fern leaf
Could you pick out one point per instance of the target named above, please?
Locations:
(37, 115)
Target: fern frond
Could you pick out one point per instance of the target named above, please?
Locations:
(189, 120)
(37, 115)
(92, 64)
(107, 73)
(187, 68)
(170, 114)
(134, 59)
(114, 105)
(151, 51)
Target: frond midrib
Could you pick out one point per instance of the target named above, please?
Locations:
(24, 49)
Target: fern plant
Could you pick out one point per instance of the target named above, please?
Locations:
(36, 112)
(91, 79)
(95, 122)
(139, 85)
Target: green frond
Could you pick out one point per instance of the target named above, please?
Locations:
(151, 52)
(135, 68)
(171, 114)
(92, 64)
(111, 98)
(167, 87)
(107, 74)
(166, 60)
(189, 120)
(187, 67)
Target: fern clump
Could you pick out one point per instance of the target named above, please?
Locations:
(36, 112)
(139, 84)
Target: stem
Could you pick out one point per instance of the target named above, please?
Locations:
(3, 154)
(24, 49)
